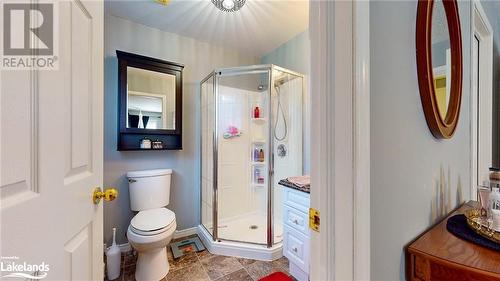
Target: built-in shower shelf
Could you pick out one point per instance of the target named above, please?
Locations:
(259, 163)
(259, 141)
(258, 185)
(259, 120)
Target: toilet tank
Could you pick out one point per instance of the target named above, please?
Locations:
(149, 189)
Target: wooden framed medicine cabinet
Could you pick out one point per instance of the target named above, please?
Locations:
(149, 101)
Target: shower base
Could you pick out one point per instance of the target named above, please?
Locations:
(250, 228)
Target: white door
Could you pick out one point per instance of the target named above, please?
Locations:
(51, 155)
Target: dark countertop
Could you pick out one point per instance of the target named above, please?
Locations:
(285, 183)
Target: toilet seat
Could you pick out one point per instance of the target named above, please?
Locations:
(152, 222)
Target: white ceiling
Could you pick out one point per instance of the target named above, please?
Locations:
(258, 28)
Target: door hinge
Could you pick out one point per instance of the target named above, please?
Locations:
(314, 219)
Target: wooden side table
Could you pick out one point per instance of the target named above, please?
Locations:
(439, 255)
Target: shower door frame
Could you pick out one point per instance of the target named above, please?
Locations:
(214, 159)
(233, 71)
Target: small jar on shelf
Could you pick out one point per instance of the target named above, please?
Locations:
(261, 180)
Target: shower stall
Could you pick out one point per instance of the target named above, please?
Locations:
(251, 137)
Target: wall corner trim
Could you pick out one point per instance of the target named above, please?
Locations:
(185, 232)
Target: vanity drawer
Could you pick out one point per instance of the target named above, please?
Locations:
(296, 248)
(297, 199)
(296, 220)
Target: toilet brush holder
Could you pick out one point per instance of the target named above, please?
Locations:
(113, 259)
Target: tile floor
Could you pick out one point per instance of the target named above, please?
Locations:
(204, 266)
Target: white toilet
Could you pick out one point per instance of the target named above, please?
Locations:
(152, 228)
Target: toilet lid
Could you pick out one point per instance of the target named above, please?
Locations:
(154, 219)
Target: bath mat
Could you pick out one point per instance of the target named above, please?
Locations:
(186, 246)
(277, 276)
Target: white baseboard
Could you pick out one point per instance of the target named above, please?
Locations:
(125, 247)
(185, 232)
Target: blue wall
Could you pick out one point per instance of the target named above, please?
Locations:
(293, 54)
(408, 165)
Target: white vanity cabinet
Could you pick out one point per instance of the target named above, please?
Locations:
(296, 236)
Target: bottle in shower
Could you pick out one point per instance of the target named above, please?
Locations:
(256, 175)
(256, 155)
(261, 155)
(256, 112)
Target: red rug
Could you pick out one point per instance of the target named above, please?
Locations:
(277, 276)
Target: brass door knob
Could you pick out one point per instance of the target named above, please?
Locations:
(109, 194)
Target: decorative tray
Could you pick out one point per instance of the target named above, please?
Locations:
(481, 225)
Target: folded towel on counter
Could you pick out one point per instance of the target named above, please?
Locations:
(301, 181)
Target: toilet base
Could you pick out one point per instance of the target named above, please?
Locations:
(152, 265)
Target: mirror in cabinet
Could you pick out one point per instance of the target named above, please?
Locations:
(150, 101)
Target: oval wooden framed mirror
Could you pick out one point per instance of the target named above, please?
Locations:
(439, 64)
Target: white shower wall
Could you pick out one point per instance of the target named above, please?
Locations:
(237, 196)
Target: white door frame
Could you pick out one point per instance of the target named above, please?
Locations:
(340, 142)
(481, 28)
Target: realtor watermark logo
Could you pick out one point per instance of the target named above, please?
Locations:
(30, 37)
(11, 268)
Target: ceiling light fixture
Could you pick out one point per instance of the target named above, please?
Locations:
(229, 5)
(162, 2)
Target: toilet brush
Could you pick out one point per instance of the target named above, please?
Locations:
(113, 258)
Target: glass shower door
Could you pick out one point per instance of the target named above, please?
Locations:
(243, 156)
(207, 152)
(287, 136)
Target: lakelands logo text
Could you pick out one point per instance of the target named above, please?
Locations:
(29, 36)
(11, 267)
